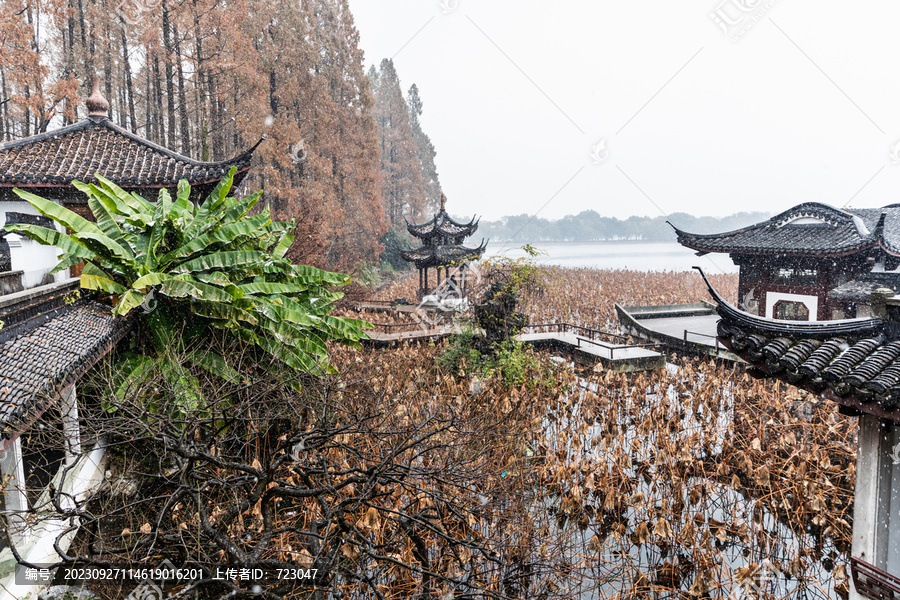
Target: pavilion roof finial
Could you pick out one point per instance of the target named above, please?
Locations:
(443, 202)
(97, 105)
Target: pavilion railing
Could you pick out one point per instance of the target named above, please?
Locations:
(404, 327)
(872, 582)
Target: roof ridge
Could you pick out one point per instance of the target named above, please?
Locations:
(171, 153)
(46, 135)
(95, 146)
(90, 123)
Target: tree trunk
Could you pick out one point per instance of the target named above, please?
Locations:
(107, 75)
(182, 97)
(157, 108)
(4, 110)
(170, 84)
(129, 86)
(89, 56)
(200, 80)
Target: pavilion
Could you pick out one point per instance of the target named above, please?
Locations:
(442, 250)
(812, 262)
(46, 164)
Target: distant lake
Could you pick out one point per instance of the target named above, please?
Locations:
(637, 256)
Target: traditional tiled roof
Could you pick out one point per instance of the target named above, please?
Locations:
(443, 224)
(855, 362)
(861, 288)
(97, 145)
(17, 217)
(38, 364)
(809, 229)
(442, 256)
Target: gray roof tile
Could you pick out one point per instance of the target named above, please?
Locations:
(809, 229)
(38, 364)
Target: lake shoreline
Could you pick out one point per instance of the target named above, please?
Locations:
(631, 255)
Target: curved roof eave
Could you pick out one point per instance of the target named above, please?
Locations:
(48, 177)
(89, 122)
(695, 240)
(808, 329)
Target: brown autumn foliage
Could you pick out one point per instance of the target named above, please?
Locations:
(586, 296)
(697, 476)
(209, 80)
(401, 168)
(396, 479)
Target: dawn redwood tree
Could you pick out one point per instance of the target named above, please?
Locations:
(426, 151)
(356, 165)
(209, 79)
(403, 186)
(31, 96)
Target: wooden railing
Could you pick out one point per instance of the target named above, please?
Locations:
(612, 349)
(591, 336)
(582, 334)
(401, 327)
(872, 582)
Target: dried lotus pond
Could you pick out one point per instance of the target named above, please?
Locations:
(696, 481)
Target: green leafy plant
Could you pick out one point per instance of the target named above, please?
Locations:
(510, 361)
(519, 276)
(461, 357)
(184, 270)
(489, 346)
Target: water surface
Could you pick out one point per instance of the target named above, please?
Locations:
(637, 256)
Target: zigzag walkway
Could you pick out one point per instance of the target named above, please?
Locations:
(588, 346)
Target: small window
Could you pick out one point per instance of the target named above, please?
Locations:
(795, 276)
(790, 311)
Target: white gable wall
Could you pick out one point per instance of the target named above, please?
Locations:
(27, 255)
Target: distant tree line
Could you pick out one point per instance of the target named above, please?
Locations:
(591, 226)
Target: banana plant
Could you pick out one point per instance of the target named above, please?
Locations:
(181, 267)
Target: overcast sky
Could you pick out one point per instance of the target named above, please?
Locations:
(797, 101)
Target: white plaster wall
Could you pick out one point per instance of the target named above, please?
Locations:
(867, 492)
(27, 255)
(811, 302)
(876, 505)
(891, 451)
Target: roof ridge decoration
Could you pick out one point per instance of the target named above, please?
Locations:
(812, 210)
(97, 105)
